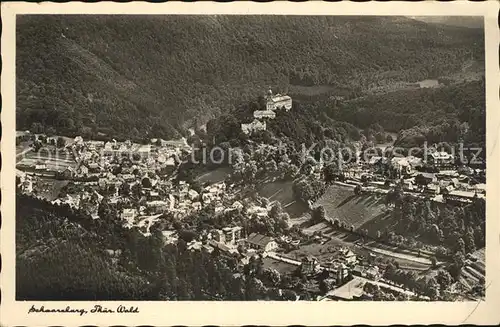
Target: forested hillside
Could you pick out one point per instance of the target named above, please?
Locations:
(107, 261)
(444, 114)
(138, 76)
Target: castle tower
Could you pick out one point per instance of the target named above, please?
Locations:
(269, 94)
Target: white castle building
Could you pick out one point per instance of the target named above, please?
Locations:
(278, 101)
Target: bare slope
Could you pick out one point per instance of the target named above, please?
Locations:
(341, 203)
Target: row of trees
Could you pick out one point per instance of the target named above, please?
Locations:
(308, 188)
(457, 227)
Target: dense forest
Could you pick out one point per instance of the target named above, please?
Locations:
(139, 77)
(433, 114)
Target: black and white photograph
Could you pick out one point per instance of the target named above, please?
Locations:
(249, 157)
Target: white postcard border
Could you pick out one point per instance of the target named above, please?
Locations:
(270, 313)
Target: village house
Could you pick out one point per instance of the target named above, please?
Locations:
(401, 165)
(440, 158)
(128, 177)
(83, 170)
(157, 206)
(94, 168)
(22, 135)
(347, 256)
(359, 270)
(446, 189)
(260, 212)
(207, 198)
(480, 188)
(196, 206)
(432, 189)
(217, 235)
(415, 162)
(218, 209)
(408, 184)
(170, 236)
(169, 165)
(153, 195)
(143, 150)
(232, 235)
(180, 144)
(261, 242)
(224, 248)
(27, 186)
(194, 245)
(193, 195)
(128, 214)
(373, 272)
(40, 166)
(94, 145)
(78, 140)
(337, 270)
(237, 205)
(67, 173)
(309, 265)
(72, 201)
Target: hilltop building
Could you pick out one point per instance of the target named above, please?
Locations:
(254, 126)
(259, 114)
(278, 101)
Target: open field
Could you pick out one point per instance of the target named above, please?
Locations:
(282, 267)
(474, 272)
(341, 203)
(314, 90)
(282, 191)
(22, 148)
(471, 71)
(214, 176)
(323, 227)
(53, 162)
(278, 191)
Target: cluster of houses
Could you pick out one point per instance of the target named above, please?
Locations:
(274, 102)
(446, 183)
(25, 183)
(339, 269)
(95, 157)
(83, 159)
(229, 241)
(180, 200)
(88, 202)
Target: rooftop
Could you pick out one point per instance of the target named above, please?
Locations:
(350, 290)
(279, 98)
(258, 239)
